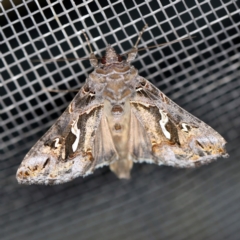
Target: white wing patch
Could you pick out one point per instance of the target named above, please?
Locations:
(76, 131)
(184, 127)
(56, 144)
(163, 123)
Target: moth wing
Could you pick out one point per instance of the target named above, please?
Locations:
(66, 150)
(177, 138)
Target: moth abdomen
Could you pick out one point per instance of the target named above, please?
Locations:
(117, 110)
(117, 127)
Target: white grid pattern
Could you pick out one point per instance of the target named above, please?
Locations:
(200, 74)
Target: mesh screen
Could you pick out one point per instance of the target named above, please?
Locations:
(200, 74)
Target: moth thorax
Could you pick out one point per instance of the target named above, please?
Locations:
(111, 57)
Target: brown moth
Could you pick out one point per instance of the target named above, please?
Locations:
(118, 118)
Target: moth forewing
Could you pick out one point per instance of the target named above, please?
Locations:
(64, 152)
(118, 118)
(178, 138)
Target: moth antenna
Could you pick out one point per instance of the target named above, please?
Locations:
(132, 54)
(60, 25)
(93, 59)
(167, 43)
(161, 44)
(140, 35)
(88, 42)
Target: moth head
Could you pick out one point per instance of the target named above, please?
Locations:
(111, 57)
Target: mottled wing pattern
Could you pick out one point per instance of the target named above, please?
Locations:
(177, 138)
(66, 150)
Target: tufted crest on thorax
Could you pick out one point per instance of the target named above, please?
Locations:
(111, 56)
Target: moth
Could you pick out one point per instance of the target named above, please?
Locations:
(118, 118)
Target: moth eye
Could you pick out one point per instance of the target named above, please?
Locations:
(103, 60)
(119, 58)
